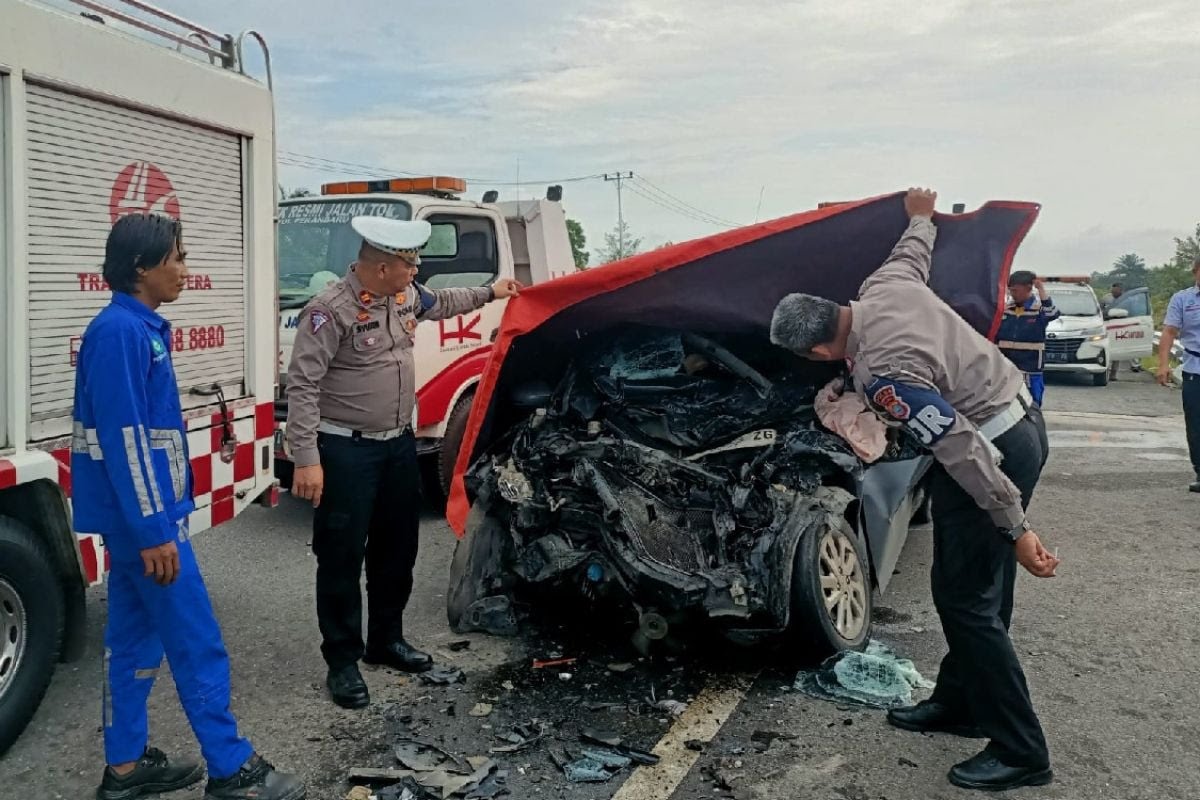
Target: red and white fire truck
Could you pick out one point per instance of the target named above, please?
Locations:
(472, 244)
(99, 119)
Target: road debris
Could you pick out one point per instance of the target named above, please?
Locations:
(553, 662)
(621, 667)
(565, 676)
(358, 793)
(481, 710)
(595, 766)
(762, 740)
(458, 647)
(876, 678)
(443, 676)
(672, 707)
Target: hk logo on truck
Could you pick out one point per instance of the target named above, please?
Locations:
(142, 188)
(462, 335)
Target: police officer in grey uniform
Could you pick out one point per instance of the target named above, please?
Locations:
(917, 363)
(351, 395)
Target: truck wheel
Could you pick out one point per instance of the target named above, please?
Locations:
(831, 593)
(456, 429)
(32, 617)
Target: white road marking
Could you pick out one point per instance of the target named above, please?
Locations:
(701, 722)
(1125, 422)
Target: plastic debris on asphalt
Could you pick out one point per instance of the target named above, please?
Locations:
(876, 677)
(443, 676)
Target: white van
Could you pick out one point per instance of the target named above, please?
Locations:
(1082, 342)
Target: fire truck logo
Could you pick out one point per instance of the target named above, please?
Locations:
(463, 333)
(141, 188)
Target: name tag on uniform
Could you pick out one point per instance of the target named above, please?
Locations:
(366, 326)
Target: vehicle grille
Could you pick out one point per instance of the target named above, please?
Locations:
(1062, 349)
(659, 539)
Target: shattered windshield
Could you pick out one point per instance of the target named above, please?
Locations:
(317, 244)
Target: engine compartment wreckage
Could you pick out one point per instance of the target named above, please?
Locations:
(676, 475)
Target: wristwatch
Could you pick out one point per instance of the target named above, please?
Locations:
(1012, 534)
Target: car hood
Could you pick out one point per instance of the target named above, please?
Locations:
(731, 282)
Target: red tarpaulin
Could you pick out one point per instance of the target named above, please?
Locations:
(731, 282)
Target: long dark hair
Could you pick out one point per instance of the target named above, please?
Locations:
(138, 241)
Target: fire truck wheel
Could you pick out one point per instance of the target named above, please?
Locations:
(32, 617)
(456, 429)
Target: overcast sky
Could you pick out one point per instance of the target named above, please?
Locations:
(1089, 107)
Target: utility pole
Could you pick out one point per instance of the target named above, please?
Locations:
(618, 177)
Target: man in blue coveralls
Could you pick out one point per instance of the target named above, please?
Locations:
(133, 485)
(1022, 335)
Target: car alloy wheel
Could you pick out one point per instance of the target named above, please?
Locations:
(843, 584)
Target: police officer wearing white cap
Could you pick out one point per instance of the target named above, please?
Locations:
(351, 394)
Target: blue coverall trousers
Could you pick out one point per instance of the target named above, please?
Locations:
(147, 621)
(1036, 381)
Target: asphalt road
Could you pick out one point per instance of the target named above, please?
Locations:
(1110, 647)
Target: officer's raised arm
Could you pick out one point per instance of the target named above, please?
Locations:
(317, 338)
(911, 257)
(434, 304)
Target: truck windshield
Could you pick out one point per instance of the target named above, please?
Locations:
(1074, 303)
(317, 244)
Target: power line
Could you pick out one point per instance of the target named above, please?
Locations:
(672, 198)
(683, 212)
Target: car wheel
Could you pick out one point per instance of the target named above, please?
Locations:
(831, 592)
(456, 430)
(32, 617)
(1100, 379)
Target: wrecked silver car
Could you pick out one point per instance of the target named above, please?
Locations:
(679, 476)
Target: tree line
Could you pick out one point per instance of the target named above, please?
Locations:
(1130, 270)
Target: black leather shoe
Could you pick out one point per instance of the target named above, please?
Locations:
(153, 774)
(930, 717)
(347, 687)
(1195, 487)
(990, 774)
(256, 780)
(400, 655)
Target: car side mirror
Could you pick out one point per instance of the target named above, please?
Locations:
(1117, 313)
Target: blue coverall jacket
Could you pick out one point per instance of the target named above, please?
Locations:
(130, 473)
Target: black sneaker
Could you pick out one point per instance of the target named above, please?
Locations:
(153, 774)
(256, 780)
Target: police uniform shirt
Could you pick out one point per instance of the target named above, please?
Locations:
(352, 361)
(917, 363)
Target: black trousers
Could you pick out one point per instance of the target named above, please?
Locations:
(974, 569)
(371, 508)
(1191, 415)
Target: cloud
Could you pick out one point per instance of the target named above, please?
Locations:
(1083, 105)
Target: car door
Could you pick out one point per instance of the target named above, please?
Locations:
(1130, 326)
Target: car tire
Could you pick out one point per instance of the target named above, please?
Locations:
(1101, 378)
(456, 430)
(831, 593)
(32, 618)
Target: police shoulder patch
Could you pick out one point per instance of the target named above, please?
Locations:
(318, 319)
(923, 411)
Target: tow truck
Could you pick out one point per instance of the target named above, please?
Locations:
(472, 244)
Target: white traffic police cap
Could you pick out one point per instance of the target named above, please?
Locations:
(402, 238)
